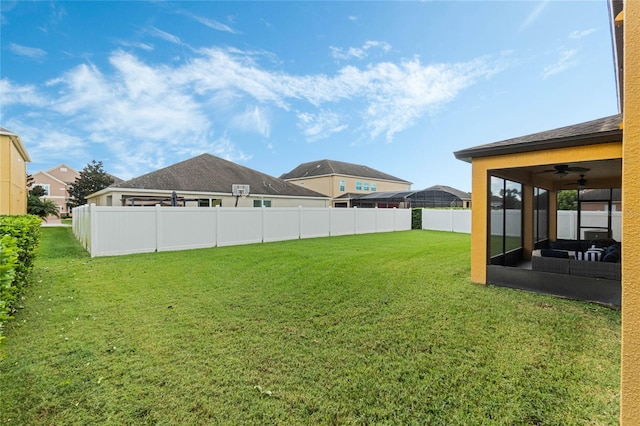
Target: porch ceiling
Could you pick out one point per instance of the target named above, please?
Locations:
(601, 174)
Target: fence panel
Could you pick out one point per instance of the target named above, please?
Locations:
(461, 221)
(386, 220)
(402, 220)
(365, 221)
(437, 220)
(343, 222)
(182, 228)
(281, 224)
(242, 225)
(315, 222)
(131, 232)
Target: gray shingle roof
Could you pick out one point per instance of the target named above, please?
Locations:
(207, 173)
(602, 130)
(332, 167)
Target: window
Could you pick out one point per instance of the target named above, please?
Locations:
(373, 187)
(366, 186)
(203, 202)
(261, 203)
(109, 200)
(505, 239)
(44, 186)
(540, 215)
(358, 185)
(341, 185)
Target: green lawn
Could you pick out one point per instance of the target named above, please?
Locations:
(368, 329)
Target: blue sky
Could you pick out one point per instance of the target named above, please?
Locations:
(397, 86)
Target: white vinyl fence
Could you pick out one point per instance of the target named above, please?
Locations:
(460, 221)
(107, 231)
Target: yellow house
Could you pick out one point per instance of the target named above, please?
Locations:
(13, 174)
(343, 181)
(514, 189)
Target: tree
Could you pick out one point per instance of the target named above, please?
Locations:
(38, 191)
(92, 179)
(568, 200)
(43, 208)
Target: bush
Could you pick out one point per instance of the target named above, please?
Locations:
(19, 239)
(416, 218)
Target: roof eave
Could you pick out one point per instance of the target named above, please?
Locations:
(540, 145)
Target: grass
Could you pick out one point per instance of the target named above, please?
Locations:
(368, 329)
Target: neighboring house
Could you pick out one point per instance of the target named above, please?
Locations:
(13, 174)
(435, 196)
(55, 182)
(609, 148)
(207, 181)
(601, 200)
(343, 181)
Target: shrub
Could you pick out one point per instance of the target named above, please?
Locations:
(416, 218)
(8, 263)
(19, 239)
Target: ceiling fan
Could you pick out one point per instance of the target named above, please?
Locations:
(581, 183)
(563, 169)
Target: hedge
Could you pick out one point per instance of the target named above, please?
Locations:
(19, 239)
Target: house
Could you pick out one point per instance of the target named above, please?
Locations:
(207, 181)
(55, 182)
(525, 173)
(434, 196)
(13, 174)
(342, 181)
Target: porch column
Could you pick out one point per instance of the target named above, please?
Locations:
(479, 220)
(528, 204)
(630, 374)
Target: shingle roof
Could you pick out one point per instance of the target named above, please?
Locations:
(332, 167)
(602, 130)
(207, 173)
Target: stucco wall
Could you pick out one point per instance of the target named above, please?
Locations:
(13, 176)
(630, 379)
(330, 185)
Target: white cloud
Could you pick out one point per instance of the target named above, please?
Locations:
(155, 32)
(211, 23)
(253, 120)
(358, 52)
(534, 15)
(13, 94)
(320, 126)
(576, 35)
(147, 115)
(566, 61)
(30, 52)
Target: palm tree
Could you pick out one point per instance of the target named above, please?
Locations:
(42, 208)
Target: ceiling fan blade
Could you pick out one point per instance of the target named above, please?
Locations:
(577, 169)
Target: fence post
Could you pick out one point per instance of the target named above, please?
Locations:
(93, 232)
(299, 222)
(158, 225)
(218, 226)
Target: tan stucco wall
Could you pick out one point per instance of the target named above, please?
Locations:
(13, 176)
(330, 185)
(480, 190)
(630, 377)
(227, 201)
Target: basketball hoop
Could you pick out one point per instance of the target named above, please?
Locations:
(239, 190)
